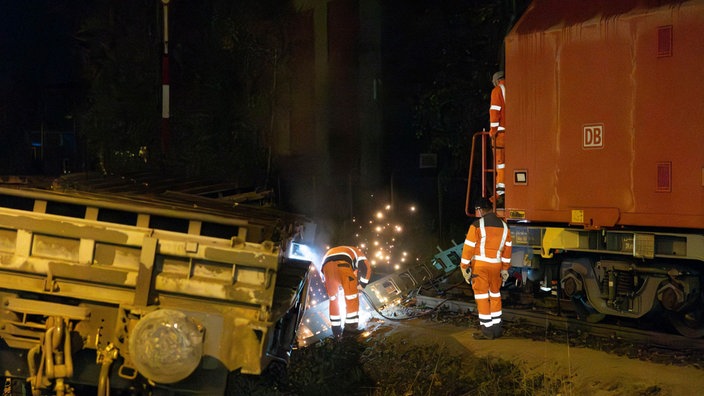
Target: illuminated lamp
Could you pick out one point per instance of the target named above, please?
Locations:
(300, 251)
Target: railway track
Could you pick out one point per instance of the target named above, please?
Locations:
(571, 329)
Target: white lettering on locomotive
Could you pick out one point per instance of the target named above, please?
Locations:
(593, 136)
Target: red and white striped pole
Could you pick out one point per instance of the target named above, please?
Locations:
(165, 133)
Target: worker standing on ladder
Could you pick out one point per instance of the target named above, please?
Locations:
(497, 124)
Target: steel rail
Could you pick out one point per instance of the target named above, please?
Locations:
(554, 321)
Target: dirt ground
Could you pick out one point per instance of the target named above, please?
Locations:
(588, 372)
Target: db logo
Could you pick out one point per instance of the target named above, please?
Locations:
(593, 136)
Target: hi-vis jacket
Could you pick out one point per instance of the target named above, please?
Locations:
(353, 256)
(488, 241)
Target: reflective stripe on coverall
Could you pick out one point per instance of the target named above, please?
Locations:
(487, 249)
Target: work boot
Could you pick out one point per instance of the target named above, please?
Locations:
(486, 334)
(500, 201)
(337, 332)
(353, 331)
(498, 331)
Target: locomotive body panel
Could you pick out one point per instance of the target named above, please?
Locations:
(604, 114)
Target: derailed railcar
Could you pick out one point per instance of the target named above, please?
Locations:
(392, 289)
(149, 293)
(605, 155)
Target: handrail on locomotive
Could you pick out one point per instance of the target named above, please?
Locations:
(488, 189)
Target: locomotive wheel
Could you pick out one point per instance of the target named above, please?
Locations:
(689, 324)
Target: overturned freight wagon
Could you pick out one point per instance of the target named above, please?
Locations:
(129, 291)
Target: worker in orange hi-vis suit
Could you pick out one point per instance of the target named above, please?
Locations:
(497, 124)
(486, 258)
(346, 267)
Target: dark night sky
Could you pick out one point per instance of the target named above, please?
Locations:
(426, 46)
(37, 46)
(36, 36)
(38, 75)
(40, 58)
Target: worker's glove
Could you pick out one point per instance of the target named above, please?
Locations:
(467, 273)
(504, 275)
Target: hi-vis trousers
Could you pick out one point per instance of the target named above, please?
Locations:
(486, 283)
(340, 274)
(500, 162)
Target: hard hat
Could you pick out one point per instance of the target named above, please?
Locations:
(483, 203)
(499, 75)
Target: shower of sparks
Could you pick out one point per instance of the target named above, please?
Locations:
(381, 235)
